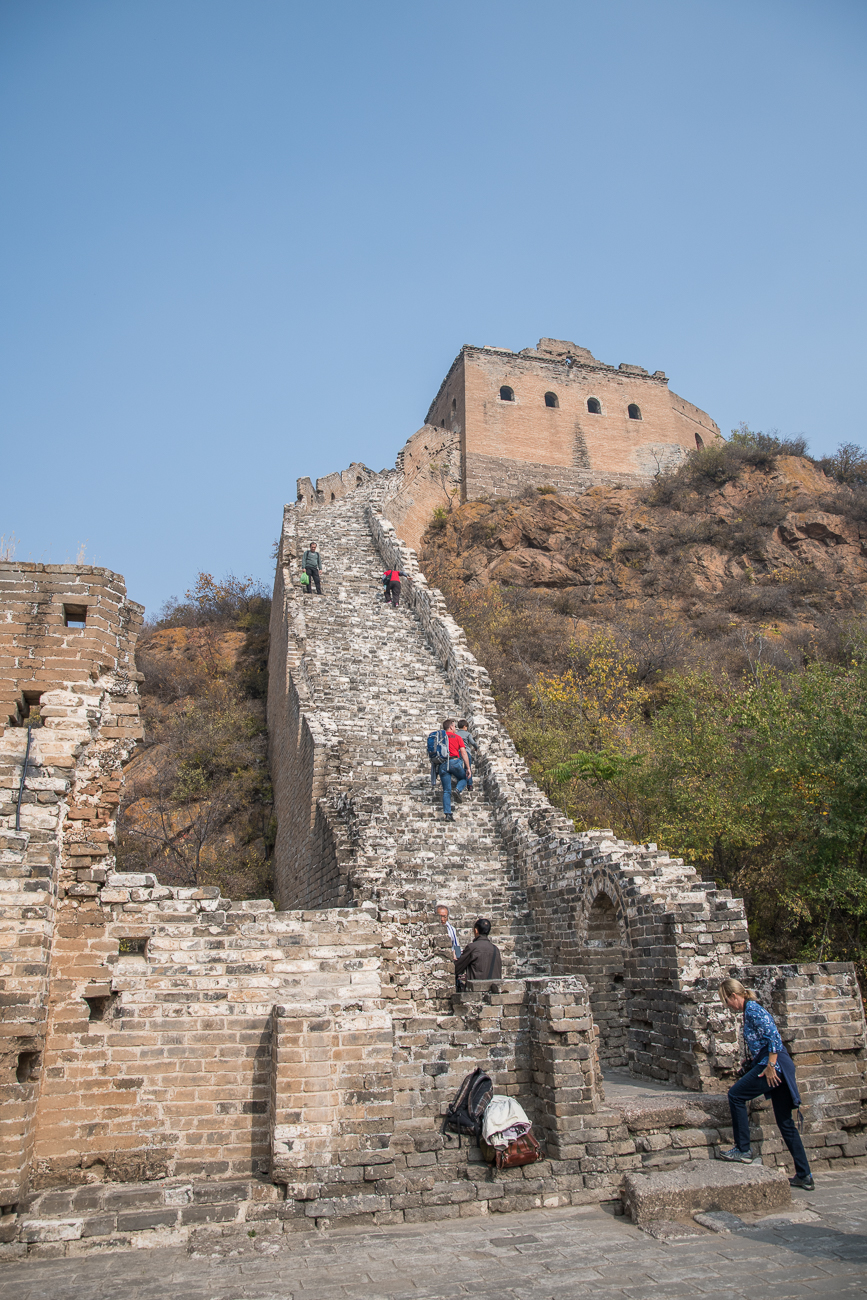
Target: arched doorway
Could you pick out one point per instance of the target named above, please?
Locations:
(604, 959)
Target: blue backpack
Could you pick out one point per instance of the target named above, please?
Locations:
(438, 747)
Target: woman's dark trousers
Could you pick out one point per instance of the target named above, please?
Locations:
(392, 593)
(313, 575)
(751, 1086)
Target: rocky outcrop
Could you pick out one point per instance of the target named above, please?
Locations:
(786, 529)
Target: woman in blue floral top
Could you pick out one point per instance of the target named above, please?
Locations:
(771, 1074)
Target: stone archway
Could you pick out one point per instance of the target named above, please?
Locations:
(603, 962)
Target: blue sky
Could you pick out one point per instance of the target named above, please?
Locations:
(243, 241)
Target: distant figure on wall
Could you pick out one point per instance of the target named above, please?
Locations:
(312, 566)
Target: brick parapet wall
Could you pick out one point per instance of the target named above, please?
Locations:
(301, 754)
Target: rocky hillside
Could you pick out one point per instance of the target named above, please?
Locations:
(727, 552)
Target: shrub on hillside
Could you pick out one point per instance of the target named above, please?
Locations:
(231, 601)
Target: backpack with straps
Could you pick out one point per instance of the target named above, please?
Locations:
(438, 747)
(464, 1114)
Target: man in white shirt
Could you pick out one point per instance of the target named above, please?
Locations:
(443, 914)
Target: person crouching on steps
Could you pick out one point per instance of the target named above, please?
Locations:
(312, 566)
(457, 768)
(392, 578)
(770, 1073)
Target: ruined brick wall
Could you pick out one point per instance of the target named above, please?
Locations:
(39, 652)
(427, 477)
(159, 1053)
(61, 785)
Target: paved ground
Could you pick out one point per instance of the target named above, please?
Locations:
(544, 1255)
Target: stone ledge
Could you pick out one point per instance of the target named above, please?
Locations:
(704, 1185)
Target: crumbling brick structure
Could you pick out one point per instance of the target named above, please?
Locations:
(175, 1060)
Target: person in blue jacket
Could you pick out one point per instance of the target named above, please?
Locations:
(770, 1073)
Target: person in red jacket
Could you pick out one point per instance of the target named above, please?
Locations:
(457, 768)
(392, 578)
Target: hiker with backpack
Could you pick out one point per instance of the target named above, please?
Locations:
(481, 959)
(449, 761)
(311, 563)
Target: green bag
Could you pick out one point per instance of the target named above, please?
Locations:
(305, 578)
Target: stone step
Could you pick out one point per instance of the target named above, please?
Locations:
(703, 1185)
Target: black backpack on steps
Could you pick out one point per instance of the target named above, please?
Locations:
(464, 1114)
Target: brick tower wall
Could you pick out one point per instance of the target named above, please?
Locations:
(509, 445)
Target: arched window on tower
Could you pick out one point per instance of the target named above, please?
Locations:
(506, 394)
(552, 400)
(594, 406)
(699, 441)
(454, 405)
(633, 411)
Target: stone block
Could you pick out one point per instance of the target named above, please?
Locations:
(39, 1230)
(704, 1185)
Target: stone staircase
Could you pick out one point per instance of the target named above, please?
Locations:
(376, 683)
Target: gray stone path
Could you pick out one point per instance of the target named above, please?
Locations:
(543, 1255)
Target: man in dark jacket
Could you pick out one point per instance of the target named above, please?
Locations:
(481, 959)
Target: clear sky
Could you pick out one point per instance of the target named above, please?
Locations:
(243, 240)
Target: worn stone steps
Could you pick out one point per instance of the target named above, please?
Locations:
(376, 682)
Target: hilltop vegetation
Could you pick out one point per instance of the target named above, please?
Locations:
(197, 801)
(687, 664)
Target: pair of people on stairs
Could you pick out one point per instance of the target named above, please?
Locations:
(457, 769)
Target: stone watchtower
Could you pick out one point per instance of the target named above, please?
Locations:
(555, 415)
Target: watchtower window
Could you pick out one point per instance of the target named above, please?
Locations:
(454, 405)
(506, 394)
(332, 496)
(699, 441)
(633, 411)
(359, 480)
(30, 710)
(594, 406)
(552, 400)
(133, 947)
(75, 615)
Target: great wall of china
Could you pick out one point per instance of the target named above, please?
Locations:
(174, 1062)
